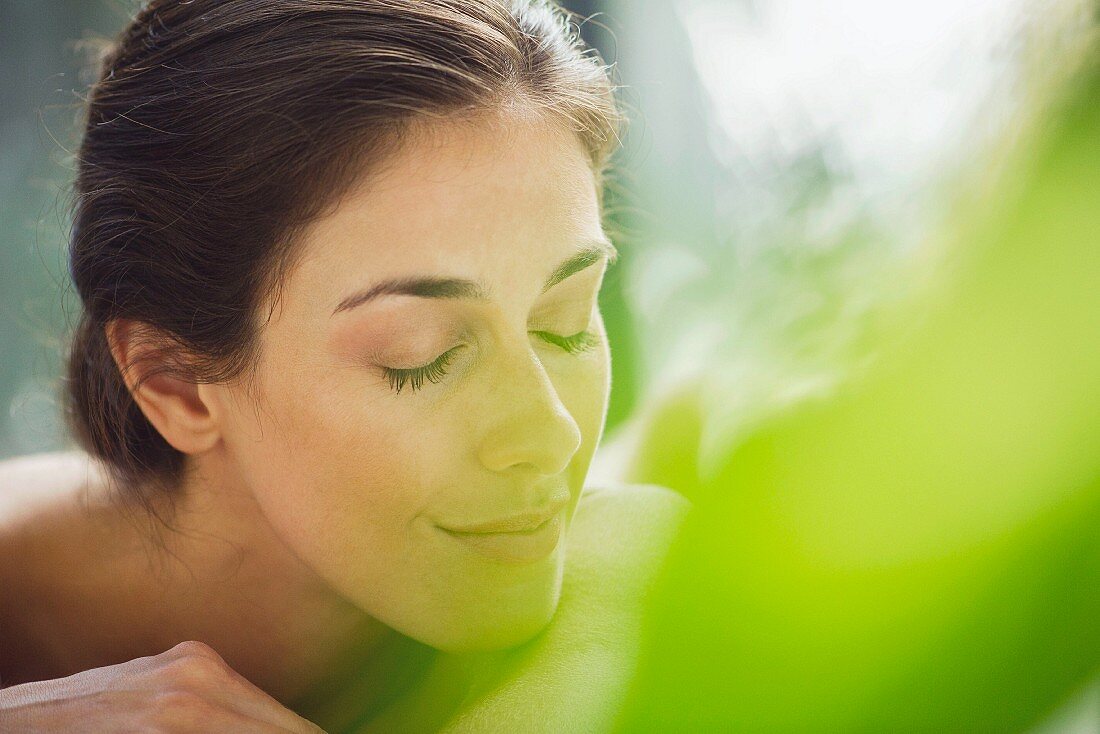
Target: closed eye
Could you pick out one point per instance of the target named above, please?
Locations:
(582, 341)
(433, 372)
(436, 370)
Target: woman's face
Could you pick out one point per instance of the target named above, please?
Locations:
(437, 363)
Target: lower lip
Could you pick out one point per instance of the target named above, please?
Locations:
(527, 546)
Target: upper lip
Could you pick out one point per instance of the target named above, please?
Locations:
(526, 520)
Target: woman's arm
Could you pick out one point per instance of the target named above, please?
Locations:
(188, 688)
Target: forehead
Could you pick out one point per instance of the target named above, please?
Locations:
(481, 198)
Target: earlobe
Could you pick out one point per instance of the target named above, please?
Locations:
(176, 406)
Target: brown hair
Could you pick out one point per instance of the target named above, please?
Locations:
(218, 128)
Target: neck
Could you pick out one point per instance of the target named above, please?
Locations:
(218, 573)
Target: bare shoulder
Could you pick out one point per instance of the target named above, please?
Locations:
(574, 675)
(631, 504)
(31, 484)
(42, 497)
(624, 529)
(39, 495)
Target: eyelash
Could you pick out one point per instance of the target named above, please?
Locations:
(434, 372)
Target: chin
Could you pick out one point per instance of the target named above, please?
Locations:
(499, 625)
(506, 634)
(492, 607)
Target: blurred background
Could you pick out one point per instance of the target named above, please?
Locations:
(788, 172)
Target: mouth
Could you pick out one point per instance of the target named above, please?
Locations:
(526, 545)
(529, 521)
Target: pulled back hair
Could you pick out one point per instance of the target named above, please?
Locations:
(218, 129)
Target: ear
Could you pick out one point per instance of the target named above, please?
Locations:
(181, 411)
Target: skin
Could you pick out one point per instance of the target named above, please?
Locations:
(355, 478)
(308, 549)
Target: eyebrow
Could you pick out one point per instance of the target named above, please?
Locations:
(589, 253)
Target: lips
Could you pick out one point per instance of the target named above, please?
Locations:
(526, 521)
(517, 546)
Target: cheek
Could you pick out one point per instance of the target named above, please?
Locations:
(332, 473)
(586, 388)
(591, 394)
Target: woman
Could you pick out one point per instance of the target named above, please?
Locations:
(338, 380)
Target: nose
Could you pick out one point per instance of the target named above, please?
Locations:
(532, 430)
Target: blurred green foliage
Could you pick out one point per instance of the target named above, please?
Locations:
(916, 552)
